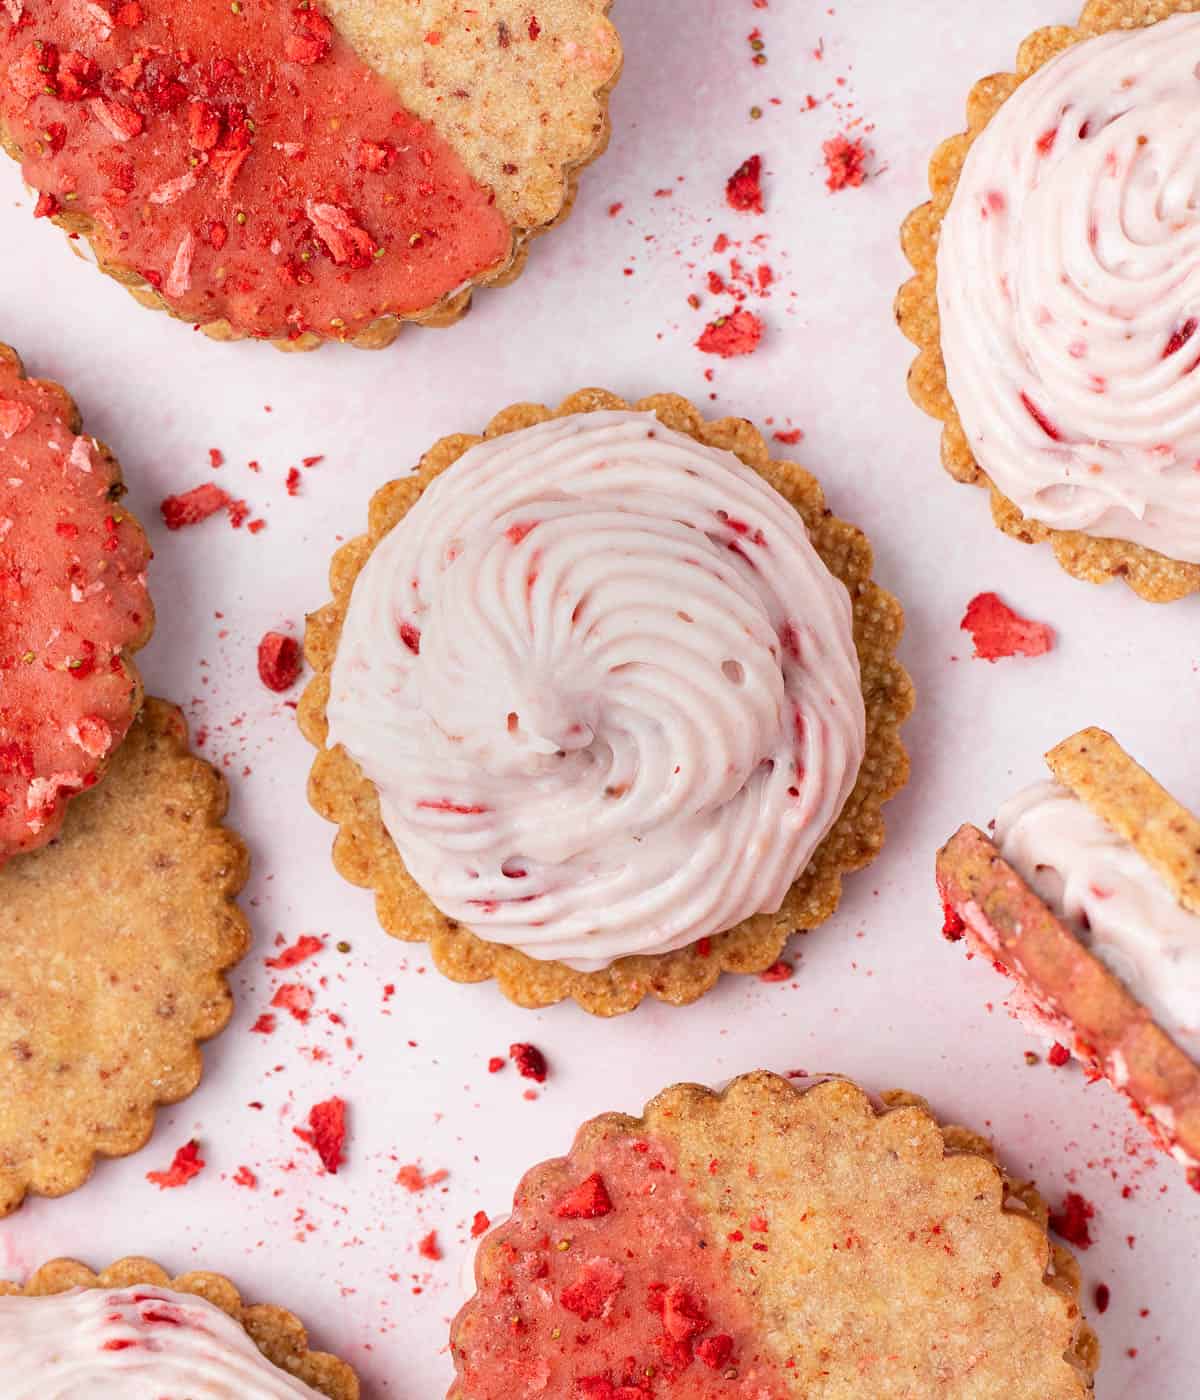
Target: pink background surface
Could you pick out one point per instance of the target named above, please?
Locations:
(877, 994)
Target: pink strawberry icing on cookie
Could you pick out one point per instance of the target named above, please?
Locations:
(73, 602)
(609, 1283)
(243, 161)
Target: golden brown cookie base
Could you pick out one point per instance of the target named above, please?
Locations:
(1121, 793)
(277, 1333)
(75, 422)
(1151, 575)
(911, 1243)
(365, 854)
(1070, 989)
(584, 135)
(116, 939)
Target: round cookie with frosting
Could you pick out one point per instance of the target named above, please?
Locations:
(1087, 893)
(306, 170)
(606, 703)
(73, 608)
(773, 1241)
(1057, 296)
(133, 1332)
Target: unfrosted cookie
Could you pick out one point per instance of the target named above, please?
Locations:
(771, 1242)
(607, 703)
(132, 1332)
(1087, 894)
(302, 172)
(1053, 302)
(73, 608)
(116, 939)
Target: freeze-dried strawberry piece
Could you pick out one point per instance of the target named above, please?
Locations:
(715, 1352)
(346, 241)
(14, 417)
(375, 156)
(326, 1133)
(598, 1281)
(311, 38)
(999, 632)
(845, 163)
(429, 1248)
(186, 1164)
(204, 125)
(733, 335)
(683, 1315)
(279, 661)
(1071, 1221)
(122, 123)
(587, 1201)
(743, 190)
(193, 506)
(305, 947)
(529, 1060)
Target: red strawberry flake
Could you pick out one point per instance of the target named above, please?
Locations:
(1045, 142)
(496, 1064)
(292, 484)
(777, 972)
(587, 1201)
(14, 417)
(265, 1025)
(245, 1177)
(480, 1225)
(789, 438)
(216, 457)
(999, 632)
(295, 998)
(684, 1317)
(326, 1133)
(845, 163)
(1071, 1222)
(598, 1281)
(279, 661)
(530, 1062)
(715, 1352)
(534, 28)
(733, 335)
(1059, 1055)
(743, 191)
(954, 926)
(411, 637)
(193, 506)
(1040, 418)
(413, 1179)
(306, 946)
(311, 37)
(1103, 1297)
(186, 1164)
(1180, 337)
(429, 1247)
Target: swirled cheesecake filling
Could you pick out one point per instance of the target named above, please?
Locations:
(1069, 290)
(132, 1343)
(606, 688)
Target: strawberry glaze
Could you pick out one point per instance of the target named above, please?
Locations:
(608, 1283)
(243, 160)
(72, 597)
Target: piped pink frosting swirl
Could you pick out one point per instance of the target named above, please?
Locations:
(606, 689)
(1069, 290)
(130, 1344)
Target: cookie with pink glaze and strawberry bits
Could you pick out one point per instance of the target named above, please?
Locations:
(132, 1332)
(607, 703)
(73, 608)
(1087, 893)
(298, 171)
(1054, 304)
(769, 1242)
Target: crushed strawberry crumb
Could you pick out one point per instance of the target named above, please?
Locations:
(845, 163)
(1059, 1055)
(730, 336)
(1000, 632)
(305, 947)
(587, 1201)
(193, 506)
(743, 190)
(279, 661)
(530, 1062)
(245, 1177)
(326, 1133)
(186, 1164)
(429, 1247)
(480, 1225)
(1070, 1221)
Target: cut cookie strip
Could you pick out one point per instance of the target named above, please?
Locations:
(573, 667)
(304, 172)
(1095, 927)
(116, 938)
(73, 608)
(770, 1242)
(132, 1331)
(1053, 303)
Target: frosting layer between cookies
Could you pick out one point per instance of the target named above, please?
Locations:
(132, 1343)
(1069, 291)
(605, 687)
(244, 161)
(1111, 898)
